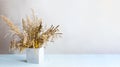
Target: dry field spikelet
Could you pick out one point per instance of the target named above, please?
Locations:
(33, 34)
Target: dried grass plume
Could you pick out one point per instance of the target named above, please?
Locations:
(33, 34)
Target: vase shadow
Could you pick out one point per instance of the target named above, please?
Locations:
(23, 61)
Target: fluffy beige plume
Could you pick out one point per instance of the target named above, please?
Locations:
(12, 26)
(33, 34)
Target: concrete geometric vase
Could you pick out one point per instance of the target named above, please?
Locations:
(35, 56)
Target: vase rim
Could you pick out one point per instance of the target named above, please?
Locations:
(34, 48)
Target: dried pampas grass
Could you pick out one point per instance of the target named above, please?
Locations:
(33, 34)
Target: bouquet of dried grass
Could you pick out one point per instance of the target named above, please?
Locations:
(33, 34)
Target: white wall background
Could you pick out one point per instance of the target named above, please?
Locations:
(88, 26)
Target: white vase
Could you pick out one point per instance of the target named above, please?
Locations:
(35, 56)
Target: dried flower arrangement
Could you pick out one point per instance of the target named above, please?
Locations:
(33, 34)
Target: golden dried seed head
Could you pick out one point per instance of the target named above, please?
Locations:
(33, 34)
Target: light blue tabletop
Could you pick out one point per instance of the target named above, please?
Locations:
(95, 60)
